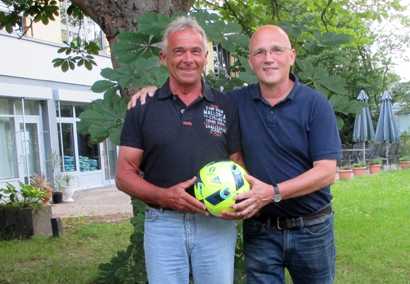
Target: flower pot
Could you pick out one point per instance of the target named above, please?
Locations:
(345, 174)
(375, 168)
(57, 197)
(404, 164)
(68, 194)
(361, 171)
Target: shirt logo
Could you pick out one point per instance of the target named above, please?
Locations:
(215, 120)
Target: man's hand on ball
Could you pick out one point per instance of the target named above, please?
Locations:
(249, 203)
(177, 198)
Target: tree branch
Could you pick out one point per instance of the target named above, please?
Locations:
(275, 9)
(238, 18)
(323, 14)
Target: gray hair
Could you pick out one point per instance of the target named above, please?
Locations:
(182, 23)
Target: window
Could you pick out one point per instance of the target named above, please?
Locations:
(78, 110)
(30, 107)
(6, 106)
(66, 110)
(88, 154)
(18, 29)
(8, 165)
(76, 150)
(66, 145)
(221, 61)
(86, 29)
(20, 136)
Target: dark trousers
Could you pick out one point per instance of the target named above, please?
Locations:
(308, 252)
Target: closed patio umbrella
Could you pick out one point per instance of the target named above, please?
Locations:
(363, 130)
(386, 130)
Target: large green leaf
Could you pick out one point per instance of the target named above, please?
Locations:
(339, 122)
(131, 46)
(104, 117)
(153, 24)
(333, 83)
(344, 104)
(102, 85)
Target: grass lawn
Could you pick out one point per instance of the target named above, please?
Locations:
(72, 258)
(372, 236)
(373, 228)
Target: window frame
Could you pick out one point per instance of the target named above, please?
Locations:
(73, 120)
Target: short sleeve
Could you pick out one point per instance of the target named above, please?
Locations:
(131, 134)
(324, 139)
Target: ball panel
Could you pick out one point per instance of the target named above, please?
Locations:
(218, 184)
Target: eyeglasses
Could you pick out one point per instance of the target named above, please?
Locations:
(275, 50)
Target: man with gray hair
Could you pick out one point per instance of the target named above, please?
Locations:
(169, 139)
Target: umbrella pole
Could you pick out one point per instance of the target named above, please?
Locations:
(364, 152)
(387, 155)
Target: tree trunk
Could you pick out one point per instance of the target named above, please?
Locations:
(114, 16)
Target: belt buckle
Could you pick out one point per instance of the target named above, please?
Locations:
(278, 227)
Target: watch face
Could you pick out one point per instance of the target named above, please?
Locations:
(276, 197)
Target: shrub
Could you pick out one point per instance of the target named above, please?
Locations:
(359, 165)
(405, 158)
(28, 196)
(376, 161)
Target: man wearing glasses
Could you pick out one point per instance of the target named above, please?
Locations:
(290, 143)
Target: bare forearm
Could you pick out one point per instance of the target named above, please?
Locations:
(136, 186)
(314, 179)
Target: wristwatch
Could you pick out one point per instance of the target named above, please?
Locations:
(277, 197)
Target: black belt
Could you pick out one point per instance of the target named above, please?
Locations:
(284, 223)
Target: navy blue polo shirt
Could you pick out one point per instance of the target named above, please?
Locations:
(282, 142)
(178, 140)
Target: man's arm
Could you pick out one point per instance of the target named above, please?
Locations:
(322, 174)
(128, 180)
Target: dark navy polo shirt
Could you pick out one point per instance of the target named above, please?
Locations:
(282, 142)
(178, 140)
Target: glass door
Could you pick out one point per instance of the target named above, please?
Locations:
(30, 146)
(110, 160)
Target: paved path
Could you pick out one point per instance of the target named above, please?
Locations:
(107, 201)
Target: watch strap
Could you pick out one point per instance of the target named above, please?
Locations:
(277, 197)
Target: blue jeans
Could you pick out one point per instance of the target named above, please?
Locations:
(307, 252)
(176, 244)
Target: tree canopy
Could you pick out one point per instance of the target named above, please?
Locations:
(339, 50)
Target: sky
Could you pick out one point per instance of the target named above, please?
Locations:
(401, 59)
(403, 64)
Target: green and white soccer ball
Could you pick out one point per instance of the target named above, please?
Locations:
(217, 185)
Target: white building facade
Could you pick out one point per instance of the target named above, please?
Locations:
(39, 110)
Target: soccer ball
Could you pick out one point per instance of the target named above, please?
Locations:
(217, 185)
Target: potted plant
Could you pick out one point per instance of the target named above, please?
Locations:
(41, 182)
(405, 162)
(66, 186)
(345, 172)
(23, 213)
(360, 169)
(375, 165)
